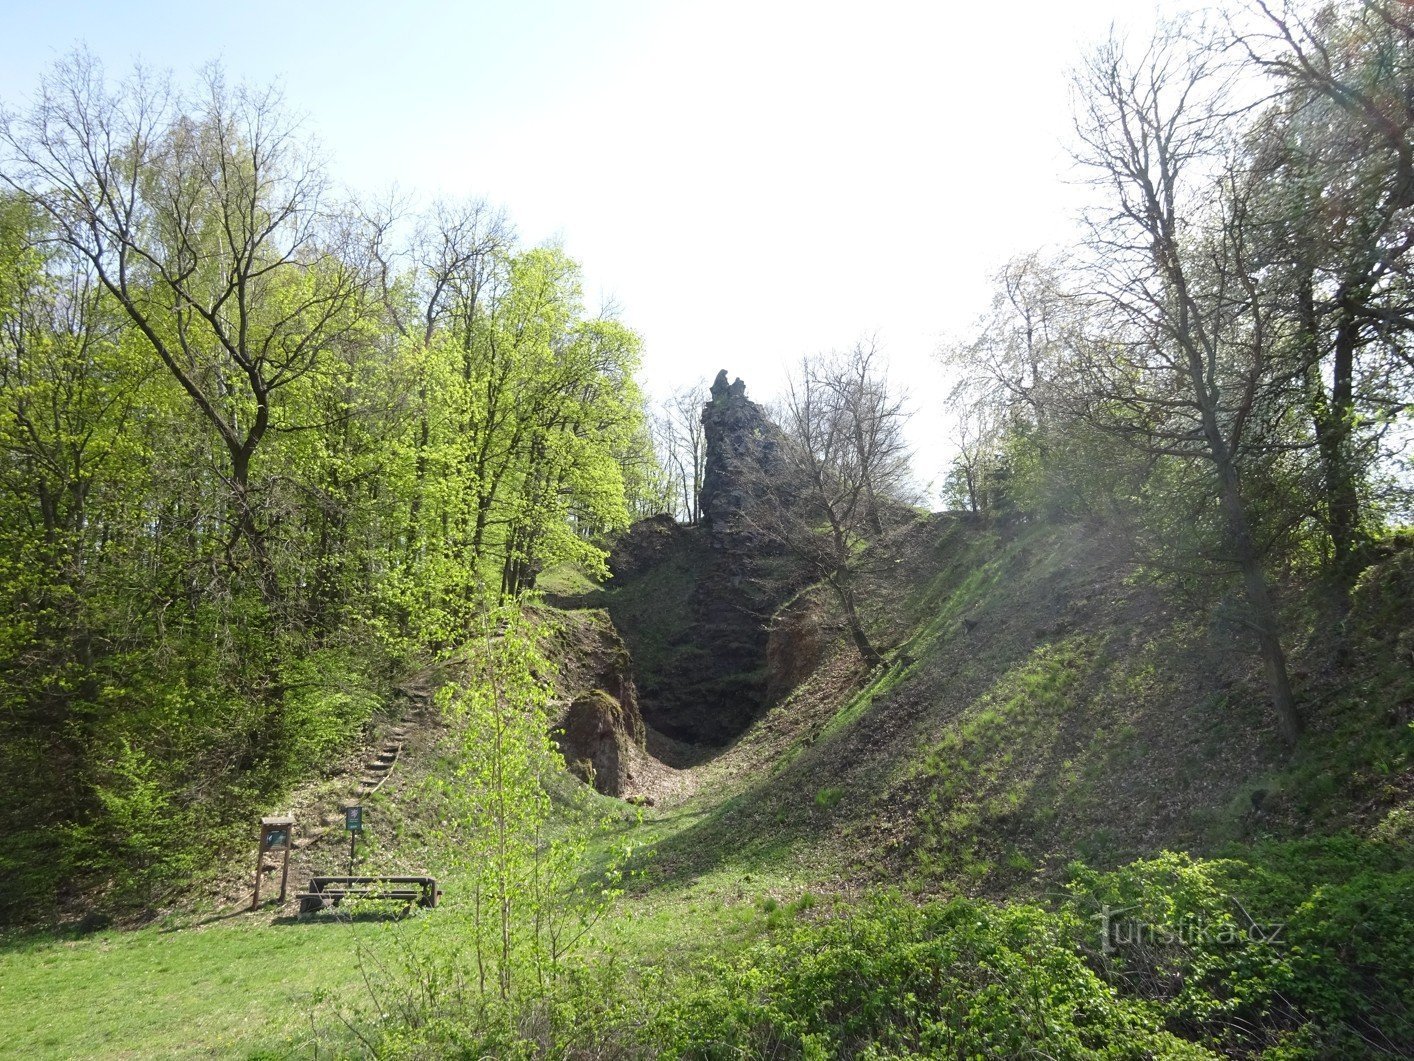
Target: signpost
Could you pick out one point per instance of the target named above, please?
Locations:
(276, 833)
(353, 822)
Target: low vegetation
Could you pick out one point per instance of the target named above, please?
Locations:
(1113, 759)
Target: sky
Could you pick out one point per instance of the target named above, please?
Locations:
(746, 182)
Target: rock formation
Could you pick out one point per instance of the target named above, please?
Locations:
(743, 452)
(600, 731)
(694, 602)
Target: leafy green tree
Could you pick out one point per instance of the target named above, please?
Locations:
(529, 904)
(258, 451)
(1335, 155)
(205, 221)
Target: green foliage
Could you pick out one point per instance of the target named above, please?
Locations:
(238, 488)
(892, 979)
(532, 900)
(1303, 946)
(145, 839)
(527, 896)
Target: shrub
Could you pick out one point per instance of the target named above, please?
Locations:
(892, 979)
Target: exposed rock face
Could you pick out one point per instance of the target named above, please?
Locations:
(600, 732)
(743, 452)
(694, 603)
(595, 737)
(795, 646)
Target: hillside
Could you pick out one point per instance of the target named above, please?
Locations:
(694, 760)
(1044, 708)
(409, 649)
(1045, 704)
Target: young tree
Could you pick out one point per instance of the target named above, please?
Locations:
(978, 431)
(1017, 355)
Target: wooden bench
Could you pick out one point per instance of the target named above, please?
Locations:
(331, 891)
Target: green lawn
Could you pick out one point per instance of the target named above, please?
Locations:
(243, 984)
(227, 988)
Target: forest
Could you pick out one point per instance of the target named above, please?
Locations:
(722, 741)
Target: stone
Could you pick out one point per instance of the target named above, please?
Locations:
(601, 729)
(694, 602)
(595, 738)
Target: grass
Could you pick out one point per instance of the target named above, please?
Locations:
(215, 989)
(245, 984)
(1030, 745)
(975, 764)
(565, 580)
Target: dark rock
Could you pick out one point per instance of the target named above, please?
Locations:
(643, 546)
(795, 645)
(744, 454)
(694, 602)
(595, 736)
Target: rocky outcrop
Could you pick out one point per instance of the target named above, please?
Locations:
(743, 463)
(595, 737)
(600, 730)
(694, 602)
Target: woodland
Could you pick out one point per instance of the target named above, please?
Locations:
(724, 737)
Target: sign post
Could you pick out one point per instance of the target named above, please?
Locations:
(276, 833)
(353, 822)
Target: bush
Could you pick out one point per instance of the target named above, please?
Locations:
(1303, 947)
(895, 980)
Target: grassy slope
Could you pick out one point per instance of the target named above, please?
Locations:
(1047, 707)
(1050, 706)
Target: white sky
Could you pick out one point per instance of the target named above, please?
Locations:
(749, 182)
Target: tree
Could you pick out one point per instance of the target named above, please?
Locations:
(1018, 351)
(1336, 154)
(978, 434)
(1010, 379)
(843, 477)
(1182, 364)
(682, 447)
(205, 220)
(257, 451)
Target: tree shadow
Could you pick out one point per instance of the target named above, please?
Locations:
(355, 917)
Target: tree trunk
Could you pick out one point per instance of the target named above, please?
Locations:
(1342, 498)
(1258, 593)
(844, 591)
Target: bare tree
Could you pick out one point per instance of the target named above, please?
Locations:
(977, 431)
(1182, 362)
(207, 220)
(1018, 349)
(682, 447)
(844, 474)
